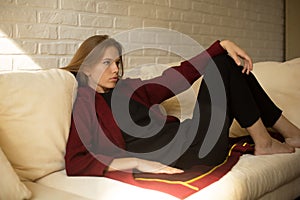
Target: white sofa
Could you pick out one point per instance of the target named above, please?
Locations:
(35, 110)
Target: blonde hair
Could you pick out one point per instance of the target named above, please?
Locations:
(88, 55)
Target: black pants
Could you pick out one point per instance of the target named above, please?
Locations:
(246, 102)
(237, 95)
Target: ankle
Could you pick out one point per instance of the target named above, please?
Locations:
(263, 143)
(286, 128)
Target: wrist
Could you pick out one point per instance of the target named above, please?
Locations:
(224, 43)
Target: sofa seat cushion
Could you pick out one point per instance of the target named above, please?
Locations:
(42, 192)
(35, 115)
(100, 187)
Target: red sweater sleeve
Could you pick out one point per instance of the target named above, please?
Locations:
(79, 160)
(176, 79)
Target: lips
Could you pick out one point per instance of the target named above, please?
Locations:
(114, 78)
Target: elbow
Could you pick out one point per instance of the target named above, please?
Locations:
(70, 169)
(83, 167)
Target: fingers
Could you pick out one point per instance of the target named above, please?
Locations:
(242, 59)
(247, 65)
(169, 170)
(235, 58)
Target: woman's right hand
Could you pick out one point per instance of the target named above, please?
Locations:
(142, 165)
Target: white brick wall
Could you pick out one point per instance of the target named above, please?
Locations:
(39, 33)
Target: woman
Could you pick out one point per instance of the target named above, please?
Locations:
(98, 142)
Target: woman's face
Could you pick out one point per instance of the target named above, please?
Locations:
(104, 75)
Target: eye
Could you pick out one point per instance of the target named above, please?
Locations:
(106, 62)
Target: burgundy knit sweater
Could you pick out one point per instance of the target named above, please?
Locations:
(94, 130)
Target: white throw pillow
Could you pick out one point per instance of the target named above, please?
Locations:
(181, 105)
(35, 113)
(11, 186)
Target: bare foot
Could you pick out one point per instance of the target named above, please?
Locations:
(293, 141)
(274, 147)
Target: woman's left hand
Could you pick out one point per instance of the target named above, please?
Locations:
(237, 54)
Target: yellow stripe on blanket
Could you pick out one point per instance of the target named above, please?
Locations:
(187, 183)
(213, 169)
(169, 182)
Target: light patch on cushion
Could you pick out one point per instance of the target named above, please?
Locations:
(181, 105)
(35, 113)
(148, 71)
(11, 186)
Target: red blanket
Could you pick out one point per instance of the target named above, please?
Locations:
(189, 182)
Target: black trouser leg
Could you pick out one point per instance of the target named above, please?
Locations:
(246, 101)
(269, 112)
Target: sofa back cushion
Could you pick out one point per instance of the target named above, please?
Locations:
(281, 82)
(35, 113)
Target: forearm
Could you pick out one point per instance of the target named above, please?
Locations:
(172, 79)
(193, 68)
(199, 62)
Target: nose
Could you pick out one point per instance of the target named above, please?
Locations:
(115, 68)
